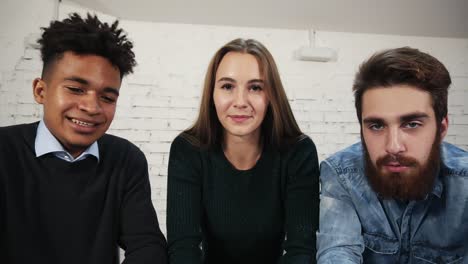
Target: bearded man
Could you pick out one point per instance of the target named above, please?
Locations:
(401, 194)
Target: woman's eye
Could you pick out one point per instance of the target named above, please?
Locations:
(227, 86)
(256, 88)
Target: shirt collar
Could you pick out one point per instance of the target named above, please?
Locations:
(46, 143)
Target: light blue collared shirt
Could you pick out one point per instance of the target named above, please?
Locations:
(46, 143)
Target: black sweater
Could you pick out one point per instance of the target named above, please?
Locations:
(243, 217)
(53, 211)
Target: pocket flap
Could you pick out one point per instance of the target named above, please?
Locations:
(380, 244)
(422, 254)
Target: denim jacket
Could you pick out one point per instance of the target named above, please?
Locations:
(358, 227)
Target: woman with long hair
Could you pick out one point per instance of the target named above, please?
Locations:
(243, 180)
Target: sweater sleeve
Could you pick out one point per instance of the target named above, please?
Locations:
(2, 213)
(140, 235)
(5, 152)
(184, 203)
(301, 204)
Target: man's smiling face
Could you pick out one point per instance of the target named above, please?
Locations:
(79, 95)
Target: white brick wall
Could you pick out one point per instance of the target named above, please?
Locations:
(162, 97)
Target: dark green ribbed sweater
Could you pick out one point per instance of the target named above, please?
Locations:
(267, 214)
(53, 211)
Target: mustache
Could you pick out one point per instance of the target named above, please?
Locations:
(400, 159)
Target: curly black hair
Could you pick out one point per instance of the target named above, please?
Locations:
(87, 36)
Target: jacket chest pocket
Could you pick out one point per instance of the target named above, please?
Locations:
(428, 255)
(380, 245)
(379, 249)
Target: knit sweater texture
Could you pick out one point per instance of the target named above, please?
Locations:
(218, 214)
(53, 211)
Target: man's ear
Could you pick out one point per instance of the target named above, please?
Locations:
(39, 90)
(443, 128)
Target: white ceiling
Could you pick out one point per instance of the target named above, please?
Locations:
(436, 18)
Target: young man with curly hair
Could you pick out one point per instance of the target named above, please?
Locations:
(69, 193)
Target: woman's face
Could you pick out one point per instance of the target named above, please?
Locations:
(239, 96)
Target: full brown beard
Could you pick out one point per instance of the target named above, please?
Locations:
(413, 184)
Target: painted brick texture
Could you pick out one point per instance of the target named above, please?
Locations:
(162, 97)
